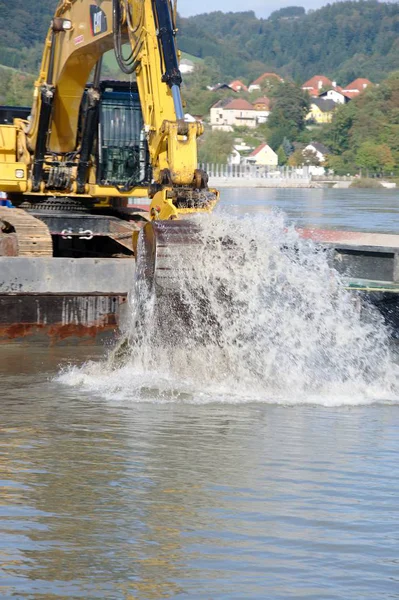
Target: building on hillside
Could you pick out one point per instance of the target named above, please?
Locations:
(234, 158)
(356, 87)
(228, 113)
(262, 103)
(273, 78)
(238, 86)
(240, 151)
(263, 155)
(321, 110)
(219, 86)
(320, 150)
(314, 85)
(336, 95)
(186, 66)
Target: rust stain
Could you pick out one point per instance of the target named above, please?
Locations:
(55, 333)
(52, 319)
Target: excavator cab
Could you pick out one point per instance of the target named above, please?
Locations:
(122, 149)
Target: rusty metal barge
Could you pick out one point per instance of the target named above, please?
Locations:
(50, 293)
(65, 277)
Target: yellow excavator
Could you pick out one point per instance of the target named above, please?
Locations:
(70, 167)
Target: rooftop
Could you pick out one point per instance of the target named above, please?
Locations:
(319, 147)
(266, 76)
(238, 85)
(317, 82)
(258, 149)
(358, 84)
(239, 104)
(325, 104)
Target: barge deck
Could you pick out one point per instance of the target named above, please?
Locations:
(84, 300)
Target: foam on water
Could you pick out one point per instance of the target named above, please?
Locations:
(260, 316)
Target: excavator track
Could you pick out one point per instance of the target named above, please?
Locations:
(34, 238)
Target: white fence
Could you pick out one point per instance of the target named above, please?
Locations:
(255, 171)
(257, 176)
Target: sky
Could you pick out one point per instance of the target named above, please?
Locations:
(187, 8)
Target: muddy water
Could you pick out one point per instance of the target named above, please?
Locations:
(120, 499)
(183, 473)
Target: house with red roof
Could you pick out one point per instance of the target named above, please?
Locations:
(263, 155)
(356, 87)
(269, 78)
(314, 85)
(228, 113)
(238, 86)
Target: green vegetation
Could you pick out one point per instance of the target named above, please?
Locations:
(287, 119)
(342, 40)
(364, 134)
(215, 147)
(365, 182)
(16, 87)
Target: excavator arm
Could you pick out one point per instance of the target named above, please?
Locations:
(55, 150)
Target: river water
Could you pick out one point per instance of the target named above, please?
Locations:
(261, 463)
(325, 208)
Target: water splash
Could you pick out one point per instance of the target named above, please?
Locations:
(257, 314)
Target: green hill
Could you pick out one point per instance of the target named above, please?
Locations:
(342, 40)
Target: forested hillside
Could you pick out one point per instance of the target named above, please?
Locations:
(23, 28)
(343, 40)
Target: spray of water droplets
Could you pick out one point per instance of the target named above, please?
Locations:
(254, 314)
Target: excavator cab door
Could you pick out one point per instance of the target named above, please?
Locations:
(123, 157)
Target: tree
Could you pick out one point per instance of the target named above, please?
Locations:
(310, 157)
(375, 158)
(296, 159)
(341, 165)
(287, 147)
(281, 155)
(215, 147)
(287, 118)
(288, 12)
(338, 134)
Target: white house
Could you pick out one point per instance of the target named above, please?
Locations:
(239, 149)
(234, 158)
(227, 113)
(320, 150)
(335, 95)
